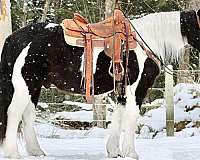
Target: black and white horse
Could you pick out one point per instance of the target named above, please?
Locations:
(37, 55)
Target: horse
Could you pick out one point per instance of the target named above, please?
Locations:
(37, 55)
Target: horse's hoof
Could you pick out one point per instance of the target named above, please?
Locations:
(133, 155)
(10, 152)
(38, 153)
(113, 155)
(12, 156)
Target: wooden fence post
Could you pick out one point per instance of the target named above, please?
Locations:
(169, 96)
(99, 112)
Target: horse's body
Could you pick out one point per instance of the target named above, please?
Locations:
(38, 55)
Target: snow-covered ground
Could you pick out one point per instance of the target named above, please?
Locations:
(61, 144)
(90, 145)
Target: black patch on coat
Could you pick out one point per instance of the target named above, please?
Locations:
(149, 74)
(190, 28)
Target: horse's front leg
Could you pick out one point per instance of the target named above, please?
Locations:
(129, 120)
(113, 146)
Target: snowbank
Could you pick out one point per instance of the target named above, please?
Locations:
(185, 98)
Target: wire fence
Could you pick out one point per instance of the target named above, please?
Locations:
(51, 114)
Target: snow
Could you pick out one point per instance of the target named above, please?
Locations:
(82, 105)
(82, 116)
(155, 103)
(185, 97)
(50, 131)
(77, 145)
(61, 144)
(51, 25)
(43, 105)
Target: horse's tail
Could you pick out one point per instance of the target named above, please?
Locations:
(6, 89)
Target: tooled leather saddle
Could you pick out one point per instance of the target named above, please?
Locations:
(108, 35)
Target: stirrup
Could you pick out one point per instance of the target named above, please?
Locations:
(120, 73)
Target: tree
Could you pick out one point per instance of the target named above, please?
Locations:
(45, 11)
(57, 4)
(5, 22)
(25, 13)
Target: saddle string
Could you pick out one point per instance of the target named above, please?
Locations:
(127, 57)
(113, 57)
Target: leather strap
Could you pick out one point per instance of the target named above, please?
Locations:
(89, 66)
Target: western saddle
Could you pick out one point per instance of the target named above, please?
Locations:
(108, 35)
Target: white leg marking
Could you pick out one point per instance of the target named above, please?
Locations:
(112, 146)
(131, 112)
(32, 144)
(128, 124)
(20, 100)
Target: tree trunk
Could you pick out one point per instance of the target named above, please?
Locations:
(184, 75)
(25, 13)
(57, 4)
(45, 11)
(109, 7)
(99, 113)
(5, 22)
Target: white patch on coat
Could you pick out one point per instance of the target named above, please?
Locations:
(51, 25)
(162, 32)
(96, 52)
(20, 100)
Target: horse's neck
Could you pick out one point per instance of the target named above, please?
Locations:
(162, 32)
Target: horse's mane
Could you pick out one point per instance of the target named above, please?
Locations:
(162, 32)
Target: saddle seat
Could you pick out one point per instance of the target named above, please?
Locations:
(104, 28)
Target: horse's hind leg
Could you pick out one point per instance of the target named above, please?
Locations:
(18, 104)
(20, 100)
(32, 144)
